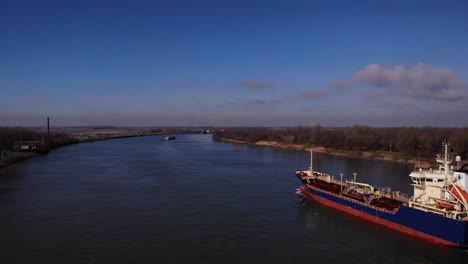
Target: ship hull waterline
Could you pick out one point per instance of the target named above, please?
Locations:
(320, 197)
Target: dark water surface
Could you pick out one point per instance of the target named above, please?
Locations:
(145, 200)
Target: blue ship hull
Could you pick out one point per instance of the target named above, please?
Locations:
(425, 225)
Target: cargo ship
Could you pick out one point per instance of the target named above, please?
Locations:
(437, 212)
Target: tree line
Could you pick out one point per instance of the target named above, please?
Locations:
(10, 136)
(411, 141)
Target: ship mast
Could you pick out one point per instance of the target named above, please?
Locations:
(311, 162)
(446, 167)
(447, 160)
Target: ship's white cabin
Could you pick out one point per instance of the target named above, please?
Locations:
(443, 190)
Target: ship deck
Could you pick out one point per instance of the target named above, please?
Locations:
(380, 200)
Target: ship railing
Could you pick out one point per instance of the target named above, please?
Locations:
(424, 172)
(428, 208)
(394, 211)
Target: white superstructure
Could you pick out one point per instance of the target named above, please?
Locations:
(443, 190)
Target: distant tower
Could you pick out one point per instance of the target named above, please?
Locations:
(48, 126)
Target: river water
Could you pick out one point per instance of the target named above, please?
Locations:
(146, 200)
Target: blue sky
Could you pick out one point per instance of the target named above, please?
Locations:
(234, 63)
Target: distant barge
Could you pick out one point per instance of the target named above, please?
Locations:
(169, 138)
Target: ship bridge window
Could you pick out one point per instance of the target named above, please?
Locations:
(417, 181)
(437, 180)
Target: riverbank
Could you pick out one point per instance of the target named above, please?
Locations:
(371, 155)
(83, 136)
(17, 157)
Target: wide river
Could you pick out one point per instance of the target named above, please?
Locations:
(191, 200)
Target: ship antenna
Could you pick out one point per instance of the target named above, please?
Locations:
(311, 162)
(446, 159)
(419, 156)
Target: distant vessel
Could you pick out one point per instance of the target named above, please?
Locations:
(438, 211)
(170, 138)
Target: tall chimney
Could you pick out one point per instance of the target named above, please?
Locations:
(48, 127)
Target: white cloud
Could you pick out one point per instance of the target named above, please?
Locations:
(418, 81)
